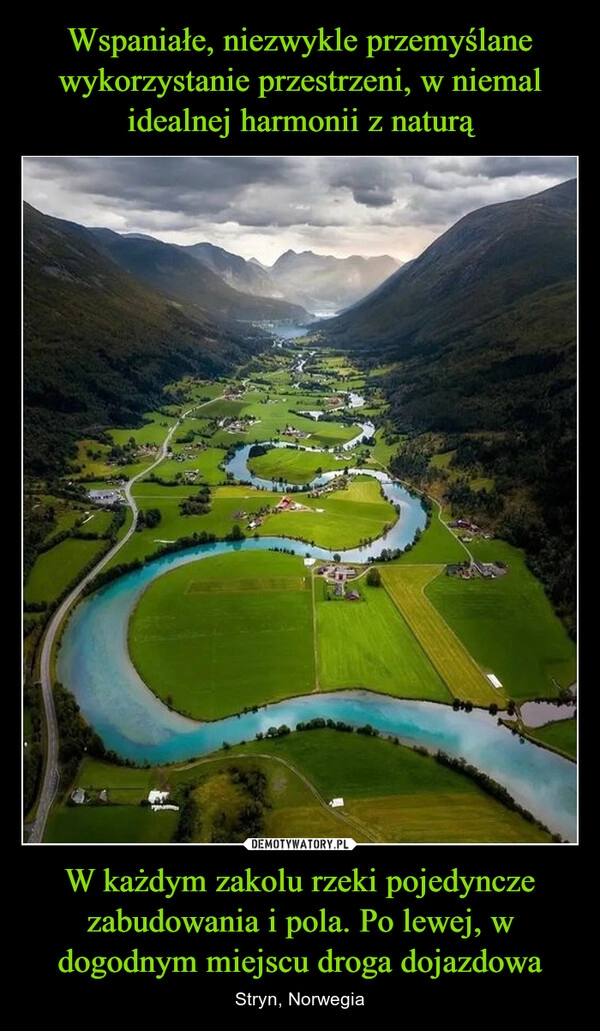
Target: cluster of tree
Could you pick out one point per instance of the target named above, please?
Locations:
(319, 723)
(32, 758)
(189, 812)
(389, 554)
(148, 518)
(462, 498)
(181, 544)
(281, 731)
(259, 449)
(188, 437)
(308, 385)
(243, 816)
(411, 462)
(106, 576)
(76, 737)
(196, 504)
(119, 514)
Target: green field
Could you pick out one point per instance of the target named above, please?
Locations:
(382, 452)
(206, 462)
(391, 794)
(367, 644)
(395, 794)
(273, 416)
(437, 544)
(294, 466)
(348, 517)
(55, 569)
(118, 824)
(227, 632)
(225, 502)
(96, 521)
(507, 625)
(442, 460)
(67, 520)
(222, 408)
(124, 785)
(561, 735)
(152, 432)
(464, 679)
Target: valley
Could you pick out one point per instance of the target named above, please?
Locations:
(281, 607)
(299, 537)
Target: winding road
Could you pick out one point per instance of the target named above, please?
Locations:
(51, 772)
(51, 777)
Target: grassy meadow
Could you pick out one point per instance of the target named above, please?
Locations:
(294, 466)
(227, 632)
(437, 544)
(55, 569)
(463, 677)
(561, 735)
(507, 624)
(395, 794)
(391, 794)
(347, 517)
(367, 644)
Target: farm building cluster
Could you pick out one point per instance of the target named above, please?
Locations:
(291, 431)
(338, 576)
(339, 483)
(231, 425)
(469, 569)
(469, 530)
(286, 504)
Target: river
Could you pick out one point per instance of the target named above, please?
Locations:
(93, 663)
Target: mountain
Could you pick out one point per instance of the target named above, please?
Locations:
(175, 271)
(480, 333)
(99, 344)
(323, 283)
(316, 282)
(247, 276)
(492, 258)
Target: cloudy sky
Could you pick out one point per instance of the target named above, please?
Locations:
(261, 206)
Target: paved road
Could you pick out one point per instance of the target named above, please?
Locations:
(51, 773)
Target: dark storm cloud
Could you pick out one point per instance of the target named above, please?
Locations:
(371, 181)
(353, 204)
(564, 167)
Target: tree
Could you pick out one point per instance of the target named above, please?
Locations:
(374, 577)
(153, 517)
